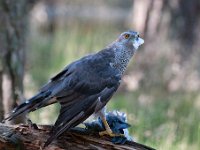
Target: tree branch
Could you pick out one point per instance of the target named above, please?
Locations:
(23, 137)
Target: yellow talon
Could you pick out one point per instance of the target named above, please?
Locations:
(111, 134)
(108, 131)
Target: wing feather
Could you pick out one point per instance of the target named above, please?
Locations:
(72, 116)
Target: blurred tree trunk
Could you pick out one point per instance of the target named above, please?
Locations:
(148, 20)
(184, 22)
(178, 18)
(171, 31)
(13, 27)
(1, 98)
(13, 31)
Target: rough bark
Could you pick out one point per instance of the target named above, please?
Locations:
(23, 137)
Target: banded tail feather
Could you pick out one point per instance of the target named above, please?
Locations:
(31, 104)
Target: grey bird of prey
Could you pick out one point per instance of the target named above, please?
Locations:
(85, 86)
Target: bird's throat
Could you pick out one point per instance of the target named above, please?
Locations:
(122, 58)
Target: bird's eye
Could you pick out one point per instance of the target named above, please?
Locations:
(127, 36)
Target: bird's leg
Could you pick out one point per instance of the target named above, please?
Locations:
(108, 130)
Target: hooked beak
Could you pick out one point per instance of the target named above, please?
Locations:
(137, 42)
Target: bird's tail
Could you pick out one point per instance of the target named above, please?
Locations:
(31, 104)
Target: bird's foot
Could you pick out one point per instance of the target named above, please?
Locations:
(108, 130)
(110, 133)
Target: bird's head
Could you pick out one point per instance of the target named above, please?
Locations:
(130, 39)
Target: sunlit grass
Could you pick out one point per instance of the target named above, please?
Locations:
(169, 122)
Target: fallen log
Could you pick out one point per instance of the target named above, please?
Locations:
(24, 137)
